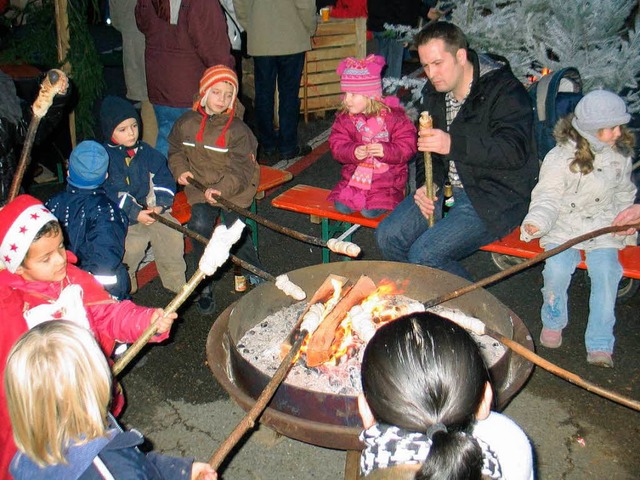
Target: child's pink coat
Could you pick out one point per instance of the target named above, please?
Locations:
(387, 189)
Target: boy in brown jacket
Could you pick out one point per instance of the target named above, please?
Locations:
(213, 145)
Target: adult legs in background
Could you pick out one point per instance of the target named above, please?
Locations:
(393, 53)
(166, 117)
(605, 273)
(168, 252)
(265, 73)
(135, 246)
(149, 123)
(289, 76)
(404, 235)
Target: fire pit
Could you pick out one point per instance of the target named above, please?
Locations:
(331, 420)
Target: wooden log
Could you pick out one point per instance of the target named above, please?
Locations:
(322, 294)
(319, 348)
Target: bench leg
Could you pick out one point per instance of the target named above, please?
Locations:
(254, 226)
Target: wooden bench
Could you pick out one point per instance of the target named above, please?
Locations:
(313, 201)
(513, 246)
(269, 178)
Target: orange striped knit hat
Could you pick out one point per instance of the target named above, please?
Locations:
(211, 76)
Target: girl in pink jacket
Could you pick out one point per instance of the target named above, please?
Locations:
(373, 139)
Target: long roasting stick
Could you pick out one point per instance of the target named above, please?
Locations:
(338, 246)
(209, 262)
(481, 329)
(252, 415)
(427, 122)
(282, 281)
(54, 83)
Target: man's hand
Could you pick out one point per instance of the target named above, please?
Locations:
(627, 216)
(424, 203)
(182, 179)
(434, 140)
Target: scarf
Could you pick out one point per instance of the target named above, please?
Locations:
(371, 130)
(388, 446)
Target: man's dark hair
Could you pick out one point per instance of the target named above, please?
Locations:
(450, 34)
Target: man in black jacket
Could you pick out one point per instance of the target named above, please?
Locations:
(482, 142)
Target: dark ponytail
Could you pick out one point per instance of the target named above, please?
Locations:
(453, 456)
(425, 374)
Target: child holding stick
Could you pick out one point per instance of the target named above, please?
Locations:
(373, 139)
(585, 182)
(426, 407)
(40, 282)
(58, 387)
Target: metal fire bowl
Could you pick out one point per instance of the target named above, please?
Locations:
(331, 420)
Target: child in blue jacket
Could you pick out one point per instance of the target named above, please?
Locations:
(140, 183)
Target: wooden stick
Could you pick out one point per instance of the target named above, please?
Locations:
(342, 247)
(527, 263)
(203, 240)
(427, 122)
(55, 82)
(151, 330)
(261, 403)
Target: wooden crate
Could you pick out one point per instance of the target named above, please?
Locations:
(334, 41)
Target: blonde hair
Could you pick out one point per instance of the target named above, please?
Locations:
(58, 387)
(374, 107)
(583, 160)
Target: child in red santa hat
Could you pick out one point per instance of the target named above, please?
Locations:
(40, 282)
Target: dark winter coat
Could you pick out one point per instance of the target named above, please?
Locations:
(129, 185)
(388, 188)
(177, 55)
(492, 145)
(95, 230)
(394, 12)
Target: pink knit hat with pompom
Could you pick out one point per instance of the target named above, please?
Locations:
(362, 75)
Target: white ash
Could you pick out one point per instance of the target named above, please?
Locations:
(261, 345)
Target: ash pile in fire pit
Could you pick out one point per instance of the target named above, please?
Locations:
(261, 346)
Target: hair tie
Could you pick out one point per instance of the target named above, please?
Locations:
(435, 428)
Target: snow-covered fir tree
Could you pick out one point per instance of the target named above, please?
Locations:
(597, 37)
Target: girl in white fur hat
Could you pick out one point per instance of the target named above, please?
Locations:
(585, 181)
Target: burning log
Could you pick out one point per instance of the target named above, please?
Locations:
(319, 348)
(322, 294)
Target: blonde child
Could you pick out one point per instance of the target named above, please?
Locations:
(140, 183)
(585, 182)
(214, 146)
(58, 387)
(40, 282)
(372, 138)
(426, 407)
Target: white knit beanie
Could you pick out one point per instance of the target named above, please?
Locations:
(600, 109)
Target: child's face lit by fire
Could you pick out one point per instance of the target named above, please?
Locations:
(356, 103)
(46, 260)
(219, 98)
(126, 133)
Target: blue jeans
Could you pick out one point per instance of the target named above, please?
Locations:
(367, 213)
(166, 117)
(286, 70)
(204, 218)
(393, 53)
(605, 273)
(405, 236)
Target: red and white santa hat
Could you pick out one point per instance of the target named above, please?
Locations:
(20, 221)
